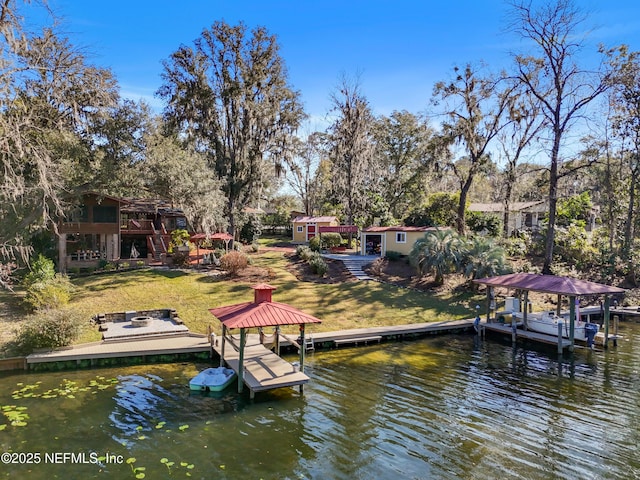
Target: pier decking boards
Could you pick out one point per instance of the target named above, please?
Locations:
(263, 369)
(156, 345)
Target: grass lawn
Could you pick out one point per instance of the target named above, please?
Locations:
(339, 306)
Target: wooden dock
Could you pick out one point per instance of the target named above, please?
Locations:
(263, 369)
(525, 334)
(358, 336)
(155, 345)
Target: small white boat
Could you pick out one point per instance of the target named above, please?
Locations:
(547, 322)
(212, 379)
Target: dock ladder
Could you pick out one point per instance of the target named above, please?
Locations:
(308, 344)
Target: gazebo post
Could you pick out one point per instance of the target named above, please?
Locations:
(302, 348)
(278, 340)
(606, 321)
(224, 339)
(489, 295)
(243, 341)
(559, 305)
(525, 310)
(572, 321)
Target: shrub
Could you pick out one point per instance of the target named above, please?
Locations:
(251, 229)
(255, 247)
(51, 329)
(124, 265)
(331, 240)
(304, 252)
(110, 266)
(233, 262)
(102, 263)
(140, 263)
(393, 256)
(50, 294)
(42, 270)
(180, 259)
(314, 244)
(318, 265)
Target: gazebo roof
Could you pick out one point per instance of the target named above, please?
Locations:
(262, 312)
(549, 284)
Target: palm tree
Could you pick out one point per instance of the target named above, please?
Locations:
(483, 258)
(438, 253)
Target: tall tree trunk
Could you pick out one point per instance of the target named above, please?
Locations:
(629, 222)
(553, 201)
(461, 225)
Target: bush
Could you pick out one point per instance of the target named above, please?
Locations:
(50, 294)
(251, 229)
(393, 256)
(233, 262)
(51, 329)
(180, 259)
(331, 240)
(318, 265)
(314, 244)
(304, 252)
(42, 270)
(255, 247)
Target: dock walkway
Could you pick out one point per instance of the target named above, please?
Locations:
(156, 345)
(263, 369)
(526, 334)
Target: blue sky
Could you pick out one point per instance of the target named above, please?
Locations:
(398, 49)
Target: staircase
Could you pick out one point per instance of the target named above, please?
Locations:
(354, 264)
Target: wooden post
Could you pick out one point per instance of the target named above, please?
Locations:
(572, 321)
(489, 292)
(278, 340)
(560, 327)
(525, 309)
(302, 349)
(243, 341)
(559, 305)
(606, 321)
(224, 339)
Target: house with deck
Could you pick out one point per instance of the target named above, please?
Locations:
(522, 215)
(109, 228)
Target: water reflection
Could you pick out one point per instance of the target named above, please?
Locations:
(445, 407)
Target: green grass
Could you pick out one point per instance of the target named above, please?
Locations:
(339, 306)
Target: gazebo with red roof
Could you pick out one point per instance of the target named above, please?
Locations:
(261, 313)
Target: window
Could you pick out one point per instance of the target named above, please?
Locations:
(105, 214)
(300, 229)
(401, 237)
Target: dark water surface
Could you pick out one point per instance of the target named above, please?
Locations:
(445, 407)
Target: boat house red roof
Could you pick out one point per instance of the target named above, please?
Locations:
(262, 312)
(549, 284)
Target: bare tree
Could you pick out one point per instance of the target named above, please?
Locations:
(302, 171)
(523, 128)
(351, 148)
(553, 77)
(229, 95)
(625, 101)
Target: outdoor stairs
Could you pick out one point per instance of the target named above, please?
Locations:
(354, 264)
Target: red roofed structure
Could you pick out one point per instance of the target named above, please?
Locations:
(262, 312)
(561, 286)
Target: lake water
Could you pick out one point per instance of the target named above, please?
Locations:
(443, 407)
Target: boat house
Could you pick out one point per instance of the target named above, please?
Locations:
(573, 288)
